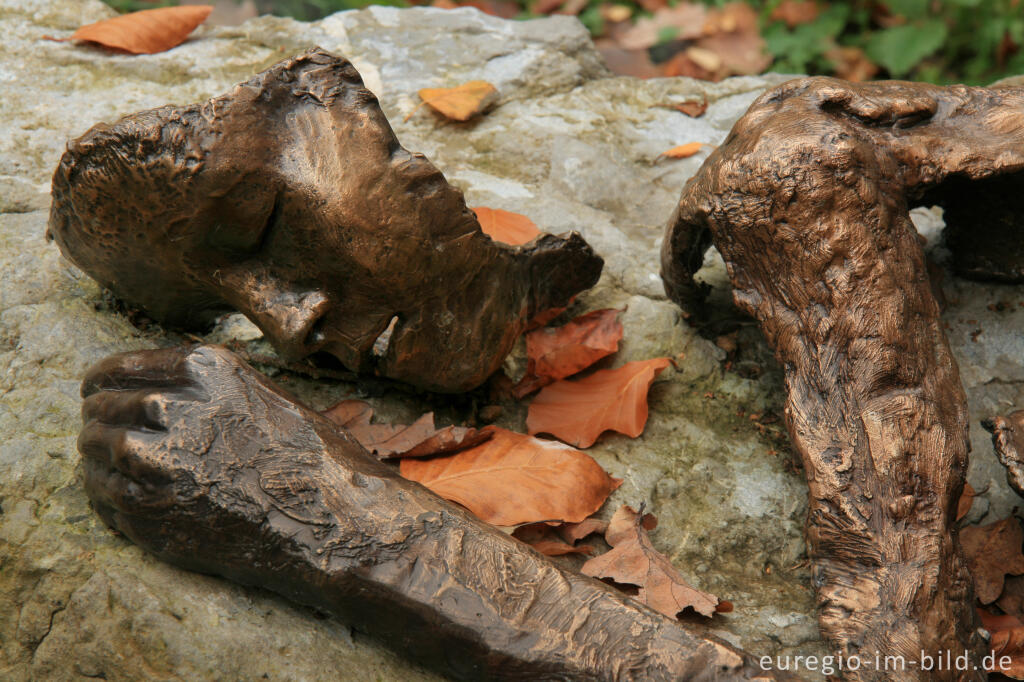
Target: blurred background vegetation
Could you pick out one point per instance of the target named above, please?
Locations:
(942, 41)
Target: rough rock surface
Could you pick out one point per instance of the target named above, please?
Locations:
(569, 146)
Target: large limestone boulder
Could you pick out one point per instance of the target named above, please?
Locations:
(570, 146)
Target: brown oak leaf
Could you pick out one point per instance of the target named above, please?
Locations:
(633, 560)
(993, 552)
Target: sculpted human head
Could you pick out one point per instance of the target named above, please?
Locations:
(291, 200)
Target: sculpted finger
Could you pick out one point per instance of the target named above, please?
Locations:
(138, 369)
(134, 455)
(133, 409)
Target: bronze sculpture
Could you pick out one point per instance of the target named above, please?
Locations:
(807, 201)
(290, 199)
(204, 462)
(363, 250)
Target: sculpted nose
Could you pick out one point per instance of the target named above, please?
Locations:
(291, 321)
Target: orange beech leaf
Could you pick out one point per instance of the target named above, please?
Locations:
(563, 351)
(579, 411)
(1007, 644)
(145, 32)
(462, 102)
(992, 552)
(963, 505)
(506, 226)
(388, 441)
(514, 479)
(683, 151)
(634, 561)
(541, 537)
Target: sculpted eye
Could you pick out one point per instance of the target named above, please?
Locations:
(245, 231)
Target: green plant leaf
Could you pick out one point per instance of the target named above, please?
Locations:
(900, 48)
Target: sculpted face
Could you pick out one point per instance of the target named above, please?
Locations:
(291, 200)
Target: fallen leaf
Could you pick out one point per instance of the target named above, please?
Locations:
(852, 64)
(616, 13)
(1007, 643)
(686, 21)
(146, 32)
(505, 226)
(627, 62)
(633, 560)
(541, 537)
(682, 65)
(391, 441)
(1012, 599)
(514, 479)
(733, 36)
(693, 109)
(460, 103)
(795, 12)
(683, 151)
(571, 532)
(963, 505)
(556, 353)
(993, 552)
(998, 621)
(579, 411)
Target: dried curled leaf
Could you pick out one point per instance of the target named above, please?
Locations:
(541, 536)
(514, 479)
(146, 32)
(390, 441)
(572, 532)
(579, 411)
(683, 151)
(634, 561)
(563, 351)
(1010, 644)
(505, 226)
(963, 505)
(993, 552)
(692, 109)
(462, 102)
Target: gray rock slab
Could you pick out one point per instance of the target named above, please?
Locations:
(569, 146)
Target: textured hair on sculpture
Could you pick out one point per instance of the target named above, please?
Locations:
(290, 199)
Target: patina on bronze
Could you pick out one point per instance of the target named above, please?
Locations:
(807, 201)
(201, 460)
(291, 200)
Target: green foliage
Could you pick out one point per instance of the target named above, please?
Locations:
(900, 48)
(943, 41)
(802, 49)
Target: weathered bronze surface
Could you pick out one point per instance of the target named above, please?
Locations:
(1008, 440)
(291, 200)
(807, 201)
(202, 461)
